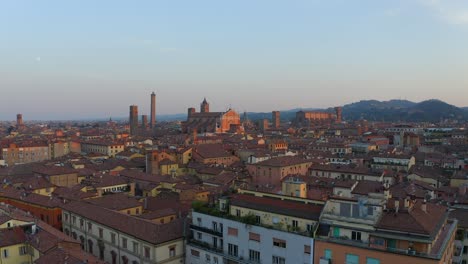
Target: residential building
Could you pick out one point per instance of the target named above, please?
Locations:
(406, 232)
(272, 171)
(248, 229)
(121, 238)
(107, 148)
(25, 152)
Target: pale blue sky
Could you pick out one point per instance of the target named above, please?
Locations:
(78, 59)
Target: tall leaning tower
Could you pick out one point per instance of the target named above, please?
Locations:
(153, 110)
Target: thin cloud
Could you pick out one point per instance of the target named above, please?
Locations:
(453, 12)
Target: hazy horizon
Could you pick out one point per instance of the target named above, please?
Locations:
(65, 60)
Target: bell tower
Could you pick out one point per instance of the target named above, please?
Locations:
(205, 106)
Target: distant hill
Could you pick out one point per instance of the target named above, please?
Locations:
(372, 110)
(402, 110)
(392, 110)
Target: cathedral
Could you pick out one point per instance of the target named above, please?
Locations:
(210, 122)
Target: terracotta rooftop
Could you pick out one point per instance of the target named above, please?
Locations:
(117, 202)
(133, 226)
(290, 208)
(365, 187)
(211, 151)
(283, 161)
(53, 170)
(14, 236)
(62, 255)
(415, 220)
(345, 169)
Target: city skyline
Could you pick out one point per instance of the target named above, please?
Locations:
(96, 59)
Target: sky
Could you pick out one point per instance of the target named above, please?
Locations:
(92, 59)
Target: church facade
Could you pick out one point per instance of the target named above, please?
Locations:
(210, 122)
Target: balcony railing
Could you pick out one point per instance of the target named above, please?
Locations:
(437, 253)
(205, 246)
(207, 230)
(219, 251)
(248, 220)
(369, 220)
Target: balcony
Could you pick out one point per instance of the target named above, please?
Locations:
(348, 241)
(247, 219)
(213, 232)
(458, 252)
(205, 246)
(370, 220)
(219, 251)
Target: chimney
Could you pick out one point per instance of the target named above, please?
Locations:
(407, 202)
(424, 206)
(462, 190)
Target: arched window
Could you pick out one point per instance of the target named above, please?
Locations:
(114, 257)
(82, 242)
(90, 246)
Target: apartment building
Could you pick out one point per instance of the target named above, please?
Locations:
(393, 162)
(27, 152)
(108, 148)
(406, 231)
(123, 239)
(249, 229)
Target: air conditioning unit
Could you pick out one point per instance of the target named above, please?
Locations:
(324, 261)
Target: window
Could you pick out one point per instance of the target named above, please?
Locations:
(81, 222)
(113, 238)
(356, 213)
(195, 253)
(199, 235)
(172, 251)
(356, 235)
(135, 247)
(232, 250)
(90, 226)
(238, 213)
(215, 260)
(352, 259)
(101, 233)
(370, 210)
(147, 252)
(307, 249)
(5, 253)
(254, 256)
(66, 217)
(258, 220)
(208, 258)
(254, 236)
(279, 243)
(295, 224)
(278, 260)
(345, 209)
(309, 227)
(124, 242)
(215, 226)
(23, 250)
(372, 261)
(328, 254)
(90, 246)
(232, 231)
(465, 250)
